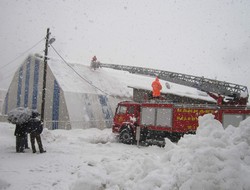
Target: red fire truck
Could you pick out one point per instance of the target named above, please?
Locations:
(158, 119)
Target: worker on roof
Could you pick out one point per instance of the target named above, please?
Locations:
(94, 59)
(156, 85)
(94, 63)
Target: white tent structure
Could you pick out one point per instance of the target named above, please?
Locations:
(2, 96)
(76, 95)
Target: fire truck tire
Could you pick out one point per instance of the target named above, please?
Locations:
(126, 136)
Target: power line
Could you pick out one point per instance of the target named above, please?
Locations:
(89, 82)
(22, 54)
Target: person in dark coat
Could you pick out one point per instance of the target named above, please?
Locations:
(35, 128)
(20, 133)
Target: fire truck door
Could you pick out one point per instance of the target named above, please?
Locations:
(161, 117)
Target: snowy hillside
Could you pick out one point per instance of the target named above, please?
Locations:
(91, 159)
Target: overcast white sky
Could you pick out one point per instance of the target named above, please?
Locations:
(203, 38)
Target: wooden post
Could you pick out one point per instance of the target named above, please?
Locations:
(44, 75)
(138, 135)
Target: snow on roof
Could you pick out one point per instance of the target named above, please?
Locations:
(111, 82)
(82, 79)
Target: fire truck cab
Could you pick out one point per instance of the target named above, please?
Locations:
(160, 120)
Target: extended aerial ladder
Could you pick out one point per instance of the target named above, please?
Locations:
(236, 94)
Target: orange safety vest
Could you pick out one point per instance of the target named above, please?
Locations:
(156, 85)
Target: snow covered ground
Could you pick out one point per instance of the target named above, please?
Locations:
(91, 159)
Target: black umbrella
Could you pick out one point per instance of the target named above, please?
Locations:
(19, 115)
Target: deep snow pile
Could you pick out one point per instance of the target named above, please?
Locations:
(91, 159)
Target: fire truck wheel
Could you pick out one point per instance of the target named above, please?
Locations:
(126, 136)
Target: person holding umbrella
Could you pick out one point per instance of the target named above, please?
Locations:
(20, 117)
(21, 134)
(26, 121)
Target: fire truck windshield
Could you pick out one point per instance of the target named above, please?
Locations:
(121, 110)
(125, 109)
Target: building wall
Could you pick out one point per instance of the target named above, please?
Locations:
(89, 110)
(25, 90)
(63, 109)
(56, 112)
(2, 97)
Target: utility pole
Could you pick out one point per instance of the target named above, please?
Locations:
(45, 75)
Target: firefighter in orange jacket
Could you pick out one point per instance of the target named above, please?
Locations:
(156, 85)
